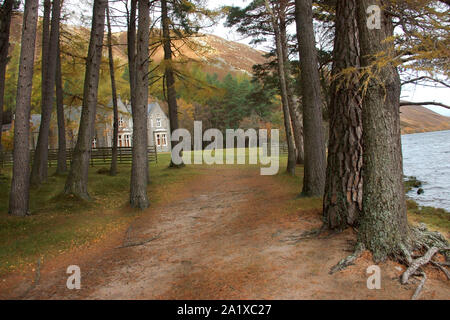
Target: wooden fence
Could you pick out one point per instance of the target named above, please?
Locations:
(283, 148)
(99, 156)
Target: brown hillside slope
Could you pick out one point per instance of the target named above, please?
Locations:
(217, 55)
(415, 119)
(222, 56)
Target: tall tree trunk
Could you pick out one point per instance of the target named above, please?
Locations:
(139, 179)
(5, 23)
(383, 226)
(315, 159)
(77, 180)
(343, 188)
(62, 145)
(113, 169)
(39, 171)
(296, 117)
(292, 157)
(131, 35)
(20, 185)
(169, 74)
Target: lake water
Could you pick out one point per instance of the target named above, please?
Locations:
(427, 157)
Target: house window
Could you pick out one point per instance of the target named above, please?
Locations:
(127, 141)
(120, 143)
(161, 140)
(121, 122)
(158, 123)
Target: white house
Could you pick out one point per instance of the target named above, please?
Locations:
(158, 127)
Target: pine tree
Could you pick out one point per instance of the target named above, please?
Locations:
(77, 180)
(315, 158)
(39, 172)
(6, 10)
(343, 188)
(20, 184)
(139, 171)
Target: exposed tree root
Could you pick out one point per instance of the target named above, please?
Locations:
(432, 242)
(421, 240)
(416, 264)
(420, 287)
(139, 243)
(343, 264)
(307, 235)
(441, 267)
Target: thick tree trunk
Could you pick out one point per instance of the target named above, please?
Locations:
(113, 169)
(62, 145)
(296, 116)
(20, 185)
(315, 159)
(77, 180)
(5, 23)
(139, 171)
(39, 172)
(343, 188)
(292, 156)
(383, 228)
(169, 74)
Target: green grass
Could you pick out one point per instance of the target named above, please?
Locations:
(436, 218)
(59, 223)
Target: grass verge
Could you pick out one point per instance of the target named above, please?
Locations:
(59, 223)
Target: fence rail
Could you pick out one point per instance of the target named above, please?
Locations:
(99, 156)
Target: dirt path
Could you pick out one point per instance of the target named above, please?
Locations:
(223, 238)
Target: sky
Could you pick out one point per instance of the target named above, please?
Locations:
(413, 93)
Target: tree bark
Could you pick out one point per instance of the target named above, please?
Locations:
(77, 180)
(383, 228)
(139, 182)
(39, 171)
(343, 187)
(295, 114)
(131, 35)
(169, 74)
(5, 23)
(292, 156)
(315, 159)
(62, 144)
(113, 169)
(20, 185)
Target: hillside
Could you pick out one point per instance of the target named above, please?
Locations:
(415, 119)
(217, 54)
(222, 56)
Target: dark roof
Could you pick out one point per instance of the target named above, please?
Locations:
(152, 106)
